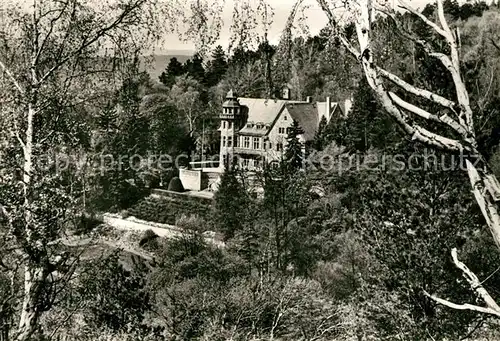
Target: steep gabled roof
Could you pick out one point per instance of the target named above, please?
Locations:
(261, 111)
(306, 114)
(322, 109)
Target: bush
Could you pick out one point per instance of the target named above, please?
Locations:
(87, 223)
(168, 211)
(124, 214)
(175, 185)
(190, 222)
(149, 240)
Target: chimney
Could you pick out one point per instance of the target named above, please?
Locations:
(328, 108)
(309, 99)
(347, 106)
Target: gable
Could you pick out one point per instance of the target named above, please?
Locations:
(306, 114)
(263, 112)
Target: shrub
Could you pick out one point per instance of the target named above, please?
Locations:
(168, 211)
(149, 239)
(87, 223)
(190, 222)
(124, 214)
(175, 185)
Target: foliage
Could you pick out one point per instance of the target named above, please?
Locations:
(173, 70)
(114, 297)
(168, 210)
(231, 210)
(367, 126)
(295, 149)
(175, 185)
(217, 67)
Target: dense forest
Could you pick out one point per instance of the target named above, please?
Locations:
(350, 241)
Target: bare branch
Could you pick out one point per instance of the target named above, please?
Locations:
(474, 282)
(335, 26)
(491, 308)
(464, 306)
(428, 116)
(450, 38)
(12, 78)
(434, 26)
(98, 35)
(416, 91)
(51, 29)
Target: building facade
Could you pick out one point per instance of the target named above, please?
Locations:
(254, 130)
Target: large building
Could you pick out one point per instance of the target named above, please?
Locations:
(254, 130)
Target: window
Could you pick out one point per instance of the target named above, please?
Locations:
(229, 141)
(224, 124)
(270, 145)
(246, 142)
(259, 126)
(223, 141)
(279, 146)
(246, 162)
(281, 130)
(230, 124)
(256, 143)
(284, 118)
(249, 125)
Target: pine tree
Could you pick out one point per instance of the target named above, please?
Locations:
(365, 127)
(195, 69)
(217, 67)
(294, 153)
(174, 69)
(231, 203)
(319, 138)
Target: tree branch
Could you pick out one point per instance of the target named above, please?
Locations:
(335, 26)
(98, 35)
(491, 308)
(417, 91)
(12, 78)
(428, 116)
(434, 26)
(465, 306)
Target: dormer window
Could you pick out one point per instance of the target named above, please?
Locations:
(249, 125)
(259, 126)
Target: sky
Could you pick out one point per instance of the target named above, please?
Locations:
(282, 8)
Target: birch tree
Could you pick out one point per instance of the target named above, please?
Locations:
(57, 57)
(455, 113)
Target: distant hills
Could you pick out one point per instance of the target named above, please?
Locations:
(157, 63)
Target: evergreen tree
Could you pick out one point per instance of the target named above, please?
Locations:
(217, 67)
(231, 203)
(294, 153)
(174, 69)
(365, 127)
(319, 138)
(195, 69)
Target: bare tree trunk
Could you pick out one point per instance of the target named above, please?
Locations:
(486, 190)
(34, 278)
(34, 274)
